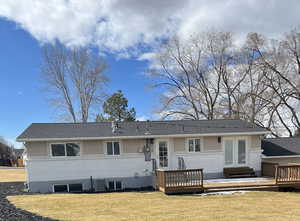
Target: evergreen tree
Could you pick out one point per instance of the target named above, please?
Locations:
(115, 108)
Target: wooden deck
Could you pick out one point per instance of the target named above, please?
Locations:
(191, 181)
(180, 181)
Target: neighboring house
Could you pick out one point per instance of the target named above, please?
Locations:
(112, 156)
(19, 157)
(283, 150)
(18, 153)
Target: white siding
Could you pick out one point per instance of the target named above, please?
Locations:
(83, 168)
(213, 162)
(132, 163)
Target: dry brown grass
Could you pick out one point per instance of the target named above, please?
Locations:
(156, 206)
(12, 175)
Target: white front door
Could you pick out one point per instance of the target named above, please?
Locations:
(163, 154)
(235, 152)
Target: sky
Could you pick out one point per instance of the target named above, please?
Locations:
(127, 33)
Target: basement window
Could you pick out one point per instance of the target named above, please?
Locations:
(111, 185)
(64, 188)
(113, 148)
(65, 149)
(60, 188)
(118, 185)
(115, 185)
(75, 188)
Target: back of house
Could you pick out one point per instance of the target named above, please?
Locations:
(123, 155)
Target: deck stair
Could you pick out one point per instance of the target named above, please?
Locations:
(238, 172)
(265, 187)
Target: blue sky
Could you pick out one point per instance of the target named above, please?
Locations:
(117, 28)
(21, 95)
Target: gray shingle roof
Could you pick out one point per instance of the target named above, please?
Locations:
(138, 128)
(284, 146)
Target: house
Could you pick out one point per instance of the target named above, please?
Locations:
(18, 153)
(19, 157)
(122, 155)
(282, 150)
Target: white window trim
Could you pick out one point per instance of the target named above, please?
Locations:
(68, 187)
(193, 138)
(80, 150)
(120, 147)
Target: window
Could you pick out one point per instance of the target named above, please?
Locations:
(241, 151)
(114, 185)
(228, 152)
(113, 148)
(75, 188)
(73, 149)
(118, 185)
(163, 154)
(111, 185)
(64, 188)
(58, 150)
(65, 149)
(61, 188)
(194, 145)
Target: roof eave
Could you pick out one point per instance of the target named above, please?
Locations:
(281, 156)
(143, 136)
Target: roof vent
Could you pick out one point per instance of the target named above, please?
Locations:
(114, 126)
(148, 128)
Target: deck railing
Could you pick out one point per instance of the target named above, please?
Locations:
(171, 181)
(287, 173)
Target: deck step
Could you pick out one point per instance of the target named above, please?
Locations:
(241, 176)
(238, 172)
(251, 188)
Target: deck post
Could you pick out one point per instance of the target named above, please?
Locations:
(201, 177)
(164, 180)
(276, 173)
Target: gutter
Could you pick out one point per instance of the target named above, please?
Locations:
(141, 136)
(283, 156)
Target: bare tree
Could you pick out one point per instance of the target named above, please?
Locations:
(208, 76)
(76, 79)
(281, 60)
(184, 70)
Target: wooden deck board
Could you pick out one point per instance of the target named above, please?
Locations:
(231, 184)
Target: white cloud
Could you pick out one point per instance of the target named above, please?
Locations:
(14, 143)
(146, 56)
(128, 27)
(142, 118)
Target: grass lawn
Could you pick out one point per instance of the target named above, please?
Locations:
(156, 206)
(12, 175)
